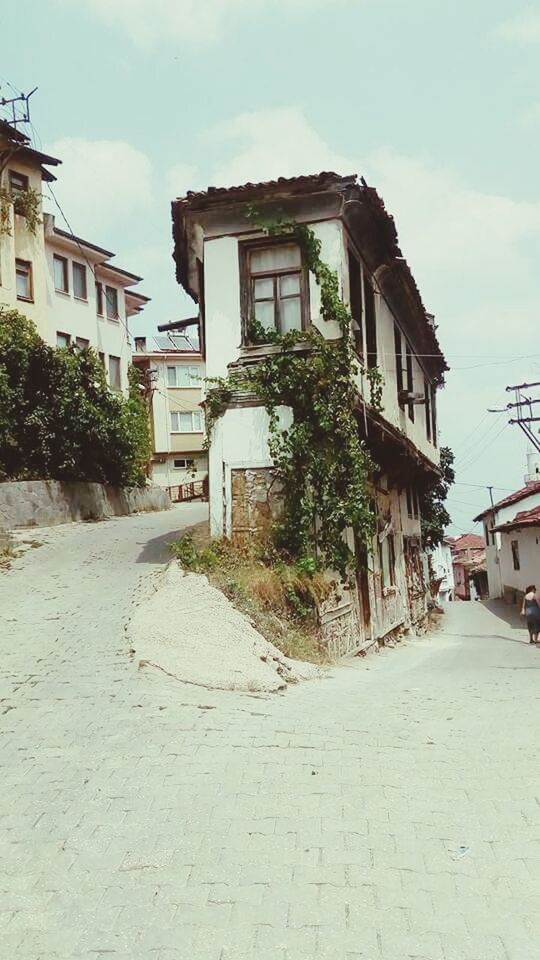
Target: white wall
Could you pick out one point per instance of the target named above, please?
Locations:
(167, 475)
(239, 439)
(495, 572)
(529, 558)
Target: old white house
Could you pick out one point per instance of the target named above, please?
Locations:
(512, 532)
(67, 285)
(175, 371)
(234, 271)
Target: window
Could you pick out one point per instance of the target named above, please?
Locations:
(81, 343)
(277, 292)
(102, 359)
(434, 414)
(355, 300)
(62, 339)
(114, 373)
(23, 270)
(18, 182)
(398, 347)
(183, 464)
(79, 281)
(99, 298)
(409, 502)
(111, 297)
(183, 376)
(61, 279)
(410, 382)
(186, 422)
(387, 559)
(413, 503)
(515, 554)
(427, 407)
(371, 325)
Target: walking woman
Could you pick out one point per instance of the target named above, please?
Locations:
(531, 610)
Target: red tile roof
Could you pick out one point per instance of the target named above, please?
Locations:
(521, 494)
(468, 541)
(526, 518)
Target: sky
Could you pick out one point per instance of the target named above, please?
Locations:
(436, 104)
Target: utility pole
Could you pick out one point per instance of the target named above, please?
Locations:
(491, 496)
(523, 406)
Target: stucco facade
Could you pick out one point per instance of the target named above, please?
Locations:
(503, 579)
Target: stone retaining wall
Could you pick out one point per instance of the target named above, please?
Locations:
(46, 503)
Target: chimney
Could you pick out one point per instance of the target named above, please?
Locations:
(140, 344)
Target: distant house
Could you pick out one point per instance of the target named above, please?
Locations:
(442, 571)
(175, 370)
(469, 565)
(67, 285)
(513, 539)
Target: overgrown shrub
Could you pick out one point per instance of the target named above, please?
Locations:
(58, 417)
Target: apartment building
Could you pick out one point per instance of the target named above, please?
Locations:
(67, 285)
(175, 372)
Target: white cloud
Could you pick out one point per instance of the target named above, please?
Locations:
(272, 143)
(148, 22)
(101, 183)
(523, 29)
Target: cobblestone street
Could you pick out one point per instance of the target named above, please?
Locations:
(388, 811)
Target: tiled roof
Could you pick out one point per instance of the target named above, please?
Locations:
(526, 518)
(521, 494)
(197, 198)
(468, 541)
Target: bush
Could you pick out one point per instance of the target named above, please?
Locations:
(59, 419)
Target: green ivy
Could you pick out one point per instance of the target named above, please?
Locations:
(25, 203)
(58, 417)
(324, 468)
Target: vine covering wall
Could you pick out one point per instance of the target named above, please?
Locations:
(322, 464)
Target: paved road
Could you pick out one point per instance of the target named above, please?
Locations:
(388, 811)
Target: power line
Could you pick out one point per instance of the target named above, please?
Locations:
(484, 448)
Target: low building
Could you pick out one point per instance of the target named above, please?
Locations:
(442, 571)
(519, 553)
(67, 285)
(175, 373)
(236, 272)
(513, 556)
(469, 566)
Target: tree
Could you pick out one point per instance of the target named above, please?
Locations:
(435, 517)
(58, 417)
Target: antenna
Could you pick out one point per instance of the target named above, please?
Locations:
(16, 108)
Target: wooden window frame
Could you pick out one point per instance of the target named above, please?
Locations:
(410, 378)
(99, 298)
(116, 317)
(427, 407)
(82, 343)
(434, 415)
(65, 270)
(27, 264)
(354, 263)
(398, 351)
(245, 248)
(14, 190)
(60, 333)
(112, 356)
(370, 313)
(178, 413)
(81, 266)
(516, 560)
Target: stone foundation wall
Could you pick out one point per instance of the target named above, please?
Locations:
(46, 503)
